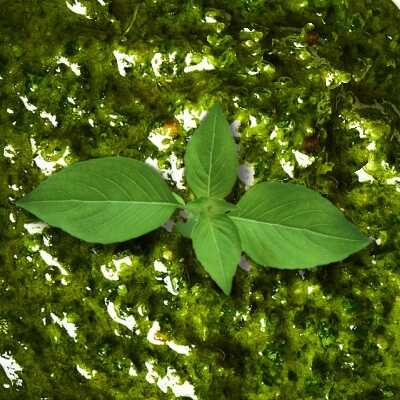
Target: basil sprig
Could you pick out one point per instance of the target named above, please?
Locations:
(278, 225)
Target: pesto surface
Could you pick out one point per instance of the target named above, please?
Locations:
(312, 80)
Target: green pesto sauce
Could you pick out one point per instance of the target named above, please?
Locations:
(317, 76)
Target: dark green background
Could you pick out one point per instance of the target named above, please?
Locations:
(330, 333)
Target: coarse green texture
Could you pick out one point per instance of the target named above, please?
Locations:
(210, 158)
(105, 200)
(217, 246)
(329, 90)
(283, 225)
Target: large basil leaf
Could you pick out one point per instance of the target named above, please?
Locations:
(103, 200)
(216, 243)
(289, 226)
(210, 160)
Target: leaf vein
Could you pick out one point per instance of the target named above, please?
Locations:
(293, 228)
(212, 155)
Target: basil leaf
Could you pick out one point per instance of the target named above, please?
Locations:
(178, 199)
(186, 228)
(216, 243)
(210, 161)
(210, 206)
(289, 226)
(103, 200)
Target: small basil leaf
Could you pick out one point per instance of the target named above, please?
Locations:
(178, 199)
(186, 228)
(210, 161)
(210, 206)
(216, 243)
(289, 226)
(103, 200)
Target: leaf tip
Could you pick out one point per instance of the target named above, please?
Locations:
(21, 202)
(227, 291)
(216, 107)
(178, 199)
(364, 239)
